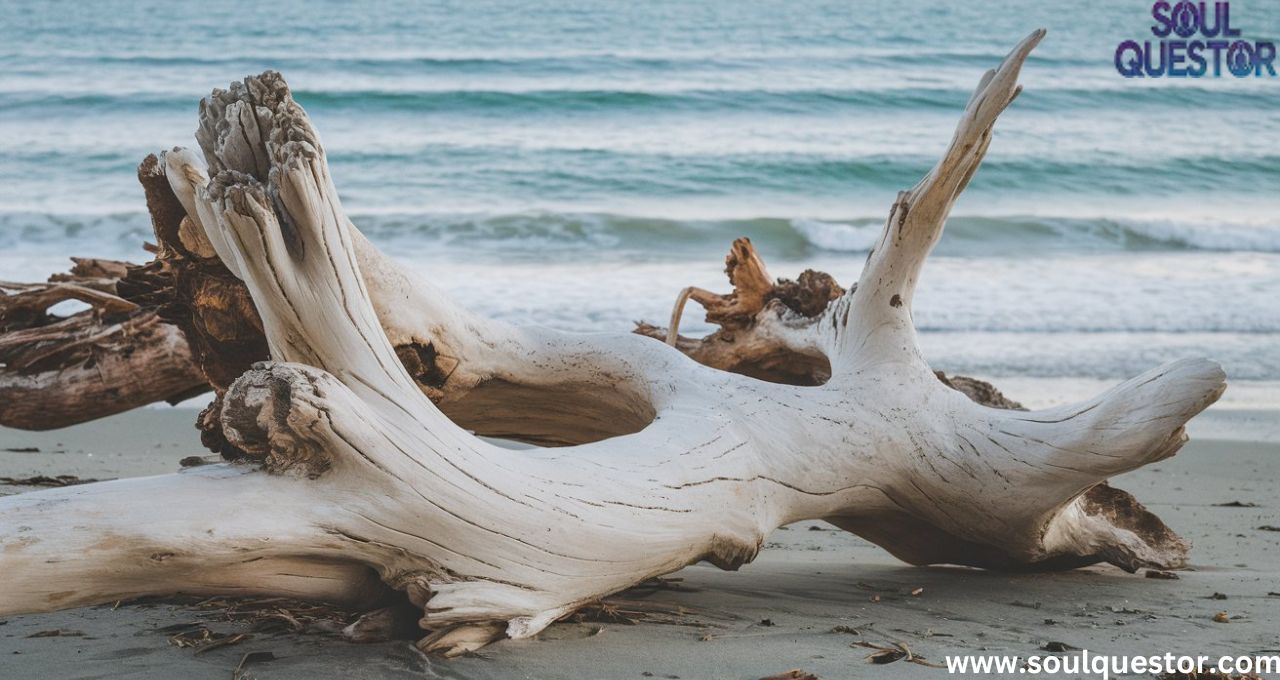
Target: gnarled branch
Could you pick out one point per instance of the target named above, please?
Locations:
(358, 470)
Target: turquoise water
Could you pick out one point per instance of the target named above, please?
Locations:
(575, 164)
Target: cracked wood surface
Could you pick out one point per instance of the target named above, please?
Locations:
(360, 472)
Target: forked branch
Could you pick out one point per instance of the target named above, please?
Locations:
(357, 471)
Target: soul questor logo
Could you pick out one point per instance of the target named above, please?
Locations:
(1195, 39)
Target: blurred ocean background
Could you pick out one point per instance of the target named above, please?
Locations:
(575, 164)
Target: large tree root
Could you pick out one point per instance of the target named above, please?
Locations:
(355, 471)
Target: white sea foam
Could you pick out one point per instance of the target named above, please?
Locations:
(1256, 236)
(838, 236)
(1066, 233)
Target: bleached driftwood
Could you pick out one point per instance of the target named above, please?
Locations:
(360, 475)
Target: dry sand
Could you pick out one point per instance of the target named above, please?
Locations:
(775, 614)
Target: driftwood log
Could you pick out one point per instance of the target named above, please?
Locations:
(113, 356)
(165, 331)
(355, 485)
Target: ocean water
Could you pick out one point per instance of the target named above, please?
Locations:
(575, 164)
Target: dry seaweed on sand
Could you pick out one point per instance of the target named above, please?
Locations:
(630, 612)
(658, 584)
(630, 607)
(259, 615)
(202, 639)
(278, 614)
(793, 674)
(57, 632)
(1055, 646)
(285, 615)
(897, 651)
(45, 480)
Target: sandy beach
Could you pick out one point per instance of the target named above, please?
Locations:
(808, 601)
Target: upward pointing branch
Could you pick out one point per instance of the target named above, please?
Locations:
(882, 298)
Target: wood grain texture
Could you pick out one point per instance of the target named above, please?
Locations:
(351, 468)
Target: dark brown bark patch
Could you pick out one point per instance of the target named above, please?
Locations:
(809, 294)
(198, 295)
(429, 368)
(979, 391)
(1122, 510)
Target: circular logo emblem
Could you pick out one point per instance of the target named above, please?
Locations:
(1186, 19)
(1240, 58)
